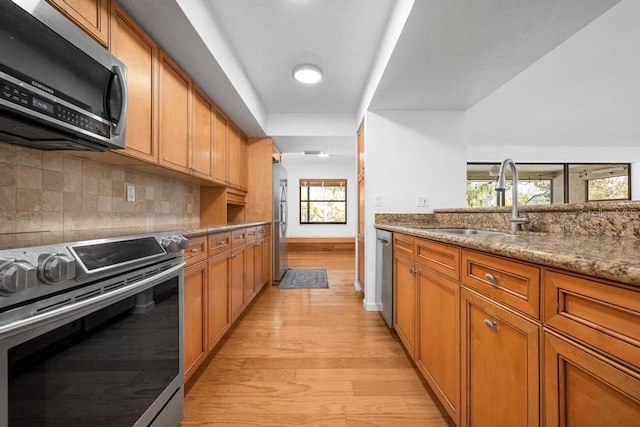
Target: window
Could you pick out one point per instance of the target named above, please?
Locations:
(550, 183)
(323, 201)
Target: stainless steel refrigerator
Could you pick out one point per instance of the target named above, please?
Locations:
(279, 228)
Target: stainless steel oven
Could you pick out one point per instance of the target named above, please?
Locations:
(91, 333)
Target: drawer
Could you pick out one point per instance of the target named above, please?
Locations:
(260, 231)
(513, 283)
(600, 314)
(196, 251)
(219, 243)
(403, 245)
(238, 238)
(251, 234)
(439, 257)
(267, 230)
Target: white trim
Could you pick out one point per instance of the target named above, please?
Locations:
(372, 306)
(356, 286)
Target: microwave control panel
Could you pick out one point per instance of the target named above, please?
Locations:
(27, 99)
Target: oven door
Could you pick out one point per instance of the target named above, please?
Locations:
(115, 360)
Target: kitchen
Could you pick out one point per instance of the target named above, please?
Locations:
(54, 191)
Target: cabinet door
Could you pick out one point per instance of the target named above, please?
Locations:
(258, 263)
(195, 288)
(233, 156)
(250, 272)
(202, 144)
(584, 389)
(220, 141)
(500, 365)
(218, 315)
(237, 282)
(266, 261)
(92, 16)
(404, 302)
(134, 47)
(242, 161)
(175, 99)
(438, 352)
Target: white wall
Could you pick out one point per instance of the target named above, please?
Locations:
(410, 153)
(585, 93)
(322, 168)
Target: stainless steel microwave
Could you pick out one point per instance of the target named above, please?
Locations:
(59, 89)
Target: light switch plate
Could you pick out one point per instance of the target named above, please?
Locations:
(131, 193)
(378, 200)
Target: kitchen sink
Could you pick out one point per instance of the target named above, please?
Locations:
(466, 231)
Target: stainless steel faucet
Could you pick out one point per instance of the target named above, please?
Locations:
(516, 221)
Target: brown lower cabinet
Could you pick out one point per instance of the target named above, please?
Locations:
(215, 290)
(472, 323)
(218, 309)
(438, 348)
(500, 365)
(585, 389)
(404, 302)
(195, 299)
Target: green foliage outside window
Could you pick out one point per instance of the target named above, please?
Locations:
(609, 188)
(534, 192)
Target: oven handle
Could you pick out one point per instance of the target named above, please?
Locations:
(69, 310)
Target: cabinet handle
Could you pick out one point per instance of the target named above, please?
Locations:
(490, 323)
(491, 279)
(221, 243)
(194, 251)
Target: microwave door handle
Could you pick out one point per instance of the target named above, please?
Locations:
(125, 99)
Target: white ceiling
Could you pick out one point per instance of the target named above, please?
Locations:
(270, 37)
(452, 54)
(449, 55)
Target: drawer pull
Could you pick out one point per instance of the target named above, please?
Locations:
(194, 251)
(490, 323)
(221, 243)
(491, 278)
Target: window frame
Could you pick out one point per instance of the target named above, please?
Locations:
(304, 183)
(566, 175)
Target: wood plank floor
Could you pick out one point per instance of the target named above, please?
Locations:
(311, 357)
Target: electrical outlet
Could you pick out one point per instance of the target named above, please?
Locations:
(131, 193)
(422, 201)
(378, 200)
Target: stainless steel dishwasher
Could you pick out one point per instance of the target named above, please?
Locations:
(384, 273)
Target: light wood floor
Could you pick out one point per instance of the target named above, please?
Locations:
(311, 357)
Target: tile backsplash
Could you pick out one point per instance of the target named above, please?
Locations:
(50, 191)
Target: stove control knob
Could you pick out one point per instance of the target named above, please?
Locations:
(169, 245)
(54, 268)
(174, 244)
(16, 276)
(183, 243)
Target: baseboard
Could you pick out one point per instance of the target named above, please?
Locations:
(372, 306)
(321, 244)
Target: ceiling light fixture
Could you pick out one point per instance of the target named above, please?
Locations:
(307, 73)
(323, 155)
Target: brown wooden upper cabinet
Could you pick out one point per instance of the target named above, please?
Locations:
(134, 47)
(220, 142)
(360, 140)
(92, 16)
(175, 100)
(202, 145)
(233, 156)
(242, 161)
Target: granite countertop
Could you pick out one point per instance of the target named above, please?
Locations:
(202, 229)
(607, 257)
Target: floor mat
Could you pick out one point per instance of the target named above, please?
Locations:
(294, 279)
